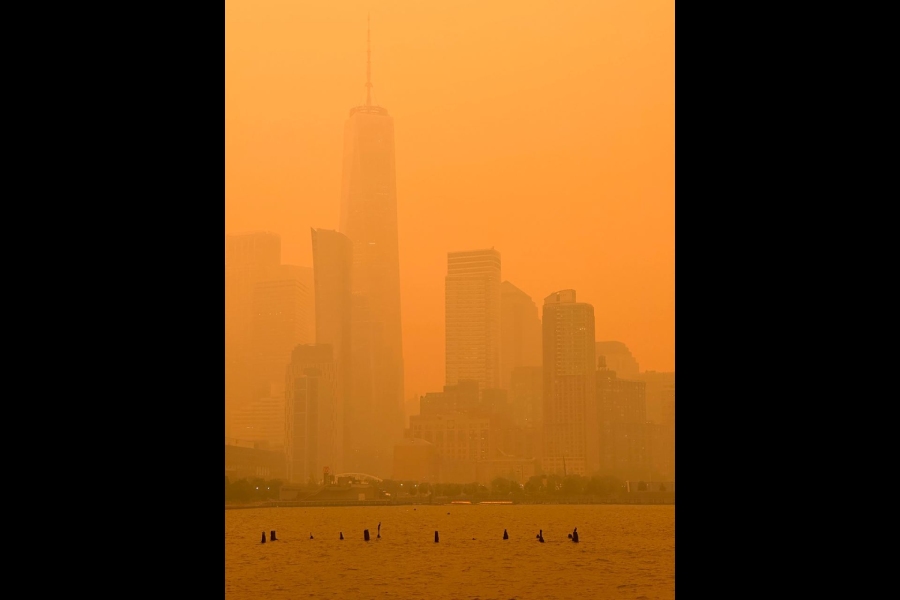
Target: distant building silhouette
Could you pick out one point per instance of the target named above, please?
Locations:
(570, 417)
(307, 278)
(462, 397)
(472, 317)
(332, 265)
(666, 453)
(369, 219)
(364, 444)
(667, 406)
(313, 415)
(495, 402)
(248, 260)
(473, 435)
(619, 359)
(411, 406)
(659, 386)
(262, 421)
(247, 459)
(622, 424)
(460, 439)
(281, 303)
(520, 337)
(527, 406)
(661, 420)
(416, 460)
(527, 395)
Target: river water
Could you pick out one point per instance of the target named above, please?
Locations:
(624, 551)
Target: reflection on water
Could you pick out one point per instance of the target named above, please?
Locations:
(623, 552)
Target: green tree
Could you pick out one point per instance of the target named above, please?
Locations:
(553, 484)
(642, 486)
(606, 485)
(240, 491)
(572, 485)
(534, 485)
(662, 487)
(500, 486)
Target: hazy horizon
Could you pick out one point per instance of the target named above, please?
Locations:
(542, 132)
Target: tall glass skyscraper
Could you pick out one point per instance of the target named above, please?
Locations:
(472, 318)
(369, 219)
(333, 263)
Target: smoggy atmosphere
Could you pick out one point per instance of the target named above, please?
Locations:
(449, 295)
(544, 131)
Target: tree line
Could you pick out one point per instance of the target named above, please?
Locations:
(252, 489)
(538, 487)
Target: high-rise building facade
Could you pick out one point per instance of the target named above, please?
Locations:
(313, 415)
(281, 303)
(365, 441)
(527, 395)
(570, 409)
(369, 219)
(619, 359)
(332, 265)
(667, 430)
(262, 421)
(622, 425)
(660, 385)
(462, 397)
(472, 317)
(249, 259)
(520, 332)
(306, 276)
(456, 435)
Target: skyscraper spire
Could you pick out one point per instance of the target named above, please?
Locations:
(368, 61)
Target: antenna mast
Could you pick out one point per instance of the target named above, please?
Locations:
(368, 61)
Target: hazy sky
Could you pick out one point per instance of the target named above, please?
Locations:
(543, 129)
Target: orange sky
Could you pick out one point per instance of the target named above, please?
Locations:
(543, 129)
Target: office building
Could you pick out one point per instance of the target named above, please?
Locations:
(332, 267)
(472, 317)
(527, 395)
(313, 415)
(570, 411)
(369, 219)
(281, 303)
(659, 386)
(622, 425)
(520, 332)
(619, 359)
(248, 260)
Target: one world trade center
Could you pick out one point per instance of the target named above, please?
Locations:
(374, 415)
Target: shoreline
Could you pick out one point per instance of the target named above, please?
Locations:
(313, 504)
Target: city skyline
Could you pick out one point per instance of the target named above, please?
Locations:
(450, 299)
(594, 211)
